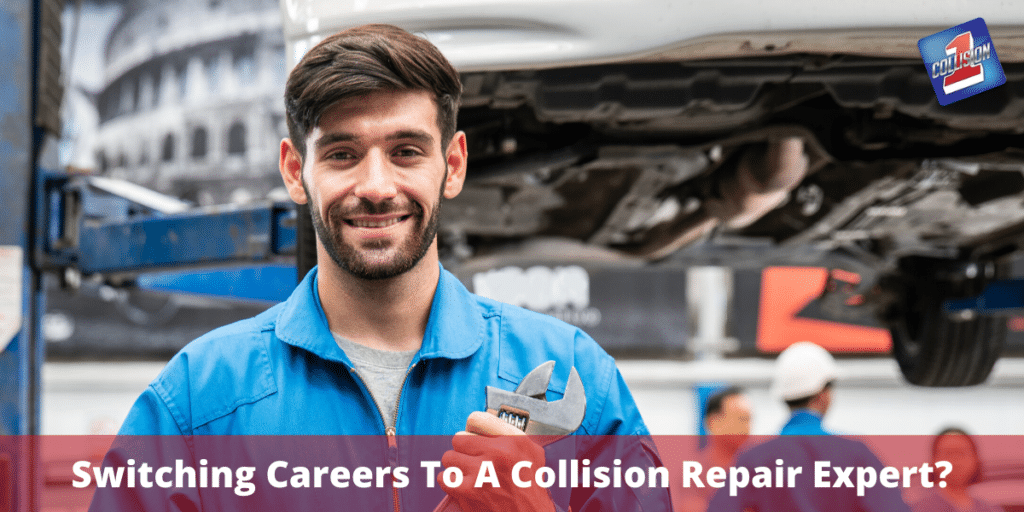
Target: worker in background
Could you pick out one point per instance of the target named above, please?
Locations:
(955, 446)
(804, 376)
(727, 416)
(379, 338)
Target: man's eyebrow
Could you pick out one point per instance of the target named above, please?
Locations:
(413, 135)
(331, 138)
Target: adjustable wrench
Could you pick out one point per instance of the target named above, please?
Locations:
(528, 410)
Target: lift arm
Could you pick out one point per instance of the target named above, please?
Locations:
(88, 226)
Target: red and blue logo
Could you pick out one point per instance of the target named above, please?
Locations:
(961, 61)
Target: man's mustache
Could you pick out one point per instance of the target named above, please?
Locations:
(367, 207)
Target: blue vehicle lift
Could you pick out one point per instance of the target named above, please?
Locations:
(91, 231)
(21, 360)
(999, 298)
(62, 224)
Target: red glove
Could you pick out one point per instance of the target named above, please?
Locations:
(488, 438)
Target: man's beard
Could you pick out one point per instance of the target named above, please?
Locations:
(360, 262)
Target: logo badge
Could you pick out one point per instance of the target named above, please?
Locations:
(961, 61)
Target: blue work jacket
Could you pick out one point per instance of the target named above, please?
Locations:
(804, 452)
(802, 443)
(282, 373)
(804, 422)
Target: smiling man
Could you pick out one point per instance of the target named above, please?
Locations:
(379, 338)
(374, 172)
(391, 169)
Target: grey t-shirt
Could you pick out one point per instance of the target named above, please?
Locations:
(382, 371)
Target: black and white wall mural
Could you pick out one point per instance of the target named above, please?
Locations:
(180, 96)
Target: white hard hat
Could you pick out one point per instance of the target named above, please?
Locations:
(802, 370)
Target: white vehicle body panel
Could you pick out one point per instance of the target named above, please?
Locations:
(530, 34)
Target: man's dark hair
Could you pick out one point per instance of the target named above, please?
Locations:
(957, 431)
(716, 402)
(801, 403)
(367, 59)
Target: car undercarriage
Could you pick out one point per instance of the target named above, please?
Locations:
(833, 154)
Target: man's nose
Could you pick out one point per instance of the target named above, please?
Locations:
(376, 178)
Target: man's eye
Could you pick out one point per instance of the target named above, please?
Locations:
(407, 152)
(339, 155)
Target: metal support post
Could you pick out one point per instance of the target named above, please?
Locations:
(21, 356)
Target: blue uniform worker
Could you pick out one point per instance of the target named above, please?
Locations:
(282, 373)
(803, 378)
(380, 339)
(804, 422)
(804, 451)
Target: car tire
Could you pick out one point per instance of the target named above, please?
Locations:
(934, 348)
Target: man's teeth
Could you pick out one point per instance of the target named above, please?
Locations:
(376, 224)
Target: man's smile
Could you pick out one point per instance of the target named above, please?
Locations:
(376, 222)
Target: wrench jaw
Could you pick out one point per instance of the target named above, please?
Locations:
(534, 414)
(535, 384)
(576, 408)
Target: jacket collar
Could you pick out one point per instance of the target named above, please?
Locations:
(805, 417)
(455, 328)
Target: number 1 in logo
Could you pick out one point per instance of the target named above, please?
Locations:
(968, 72)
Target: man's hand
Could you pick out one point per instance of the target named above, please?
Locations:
(488, 438)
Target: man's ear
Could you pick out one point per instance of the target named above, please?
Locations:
(455, 157)
(709, 422)
(290, 166)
